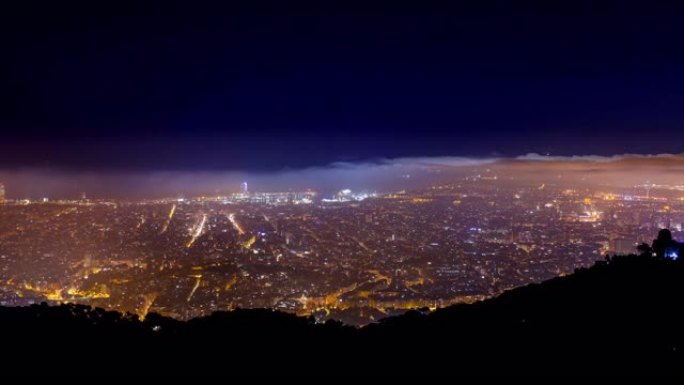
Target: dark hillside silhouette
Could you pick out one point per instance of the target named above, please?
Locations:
(622, 315)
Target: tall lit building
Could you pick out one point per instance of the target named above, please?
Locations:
(2, 192)
(244, 189)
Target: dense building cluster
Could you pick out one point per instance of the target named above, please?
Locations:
(345, 258)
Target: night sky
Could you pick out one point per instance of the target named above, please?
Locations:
(260, 86)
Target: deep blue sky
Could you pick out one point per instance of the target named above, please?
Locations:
(264, 86)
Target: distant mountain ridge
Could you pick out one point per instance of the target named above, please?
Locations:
(623, 315)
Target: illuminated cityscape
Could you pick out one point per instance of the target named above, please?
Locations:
(353, 187)
(353, 257)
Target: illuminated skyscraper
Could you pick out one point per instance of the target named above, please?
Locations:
(2, 192)
(243, 186)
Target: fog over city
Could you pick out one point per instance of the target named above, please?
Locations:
(384, 175)
(378, 175)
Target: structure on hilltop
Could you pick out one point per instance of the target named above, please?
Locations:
(665, 246)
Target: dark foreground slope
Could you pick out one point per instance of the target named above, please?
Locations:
(623, 316)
